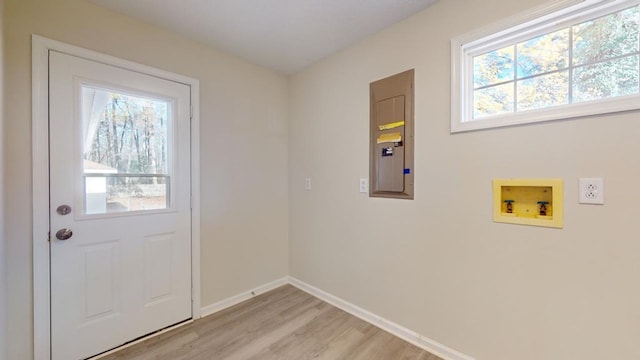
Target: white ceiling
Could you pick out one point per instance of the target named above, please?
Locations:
(283, 35)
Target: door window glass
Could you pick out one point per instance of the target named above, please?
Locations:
(126, 151)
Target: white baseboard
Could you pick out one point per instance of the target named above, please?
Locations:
(410, 336)
(228, 302)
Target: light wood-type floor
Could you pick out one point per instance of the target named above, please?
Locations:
(285, 323)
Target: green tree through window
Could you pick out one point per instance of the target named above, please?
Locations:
(591, 60)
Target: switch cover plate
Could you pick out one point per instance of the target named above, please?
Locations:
(364, 185)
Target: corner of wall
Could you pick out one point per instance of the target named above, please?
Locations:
(289, 81)
(3, 270)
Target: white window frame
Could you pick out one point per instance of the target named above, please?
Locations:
(544, 19)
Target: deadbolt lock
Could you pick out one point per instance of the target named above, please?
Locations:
(63, 209)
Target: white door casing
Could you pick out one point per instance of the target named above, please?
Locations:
(121, 275)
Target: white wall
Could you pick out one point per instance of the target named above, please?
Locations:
(3, 261)
(439, 265)
(243, 139)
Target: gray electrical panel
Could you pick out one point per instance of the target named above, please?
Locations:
(391, 136)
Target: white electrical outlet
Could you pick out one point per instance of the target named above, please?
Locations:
(307, 184)
(364, 185)
(591, 191)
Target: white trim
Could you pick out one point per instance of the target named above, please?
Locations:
(530, 22)
(195, 200)
(236, 299)
(40, 188)
(40, 181)
(410, 336)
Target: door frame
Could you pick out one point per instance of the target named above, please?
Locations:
(40, 178)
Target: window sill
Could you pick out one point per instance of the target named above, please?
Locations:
(563, 112)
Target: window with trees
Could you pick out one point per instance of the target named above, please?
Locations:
(127, 151)
(555, 62)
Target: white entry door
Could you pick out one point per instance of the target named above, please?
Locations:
(119, 205)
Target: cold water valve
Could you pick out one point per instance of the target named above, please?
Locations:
(509, 209)
(542, 210)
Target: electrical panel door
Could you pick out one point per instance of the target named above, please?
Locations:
(391, 137)
(390, 158)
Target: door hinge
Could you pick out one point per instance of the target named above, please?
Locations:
(191, 112)
(49, 236)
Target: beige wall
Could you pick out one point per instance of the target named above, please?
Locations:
(243, 148)
(439, 265)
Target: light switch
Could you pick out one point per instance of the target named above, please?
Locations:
(364, 185)
(307, 184)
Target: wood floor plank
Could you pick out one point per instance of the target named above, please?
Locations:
(285, 323)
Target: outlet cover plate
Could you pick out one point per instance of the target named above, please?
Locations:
(591, 191)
